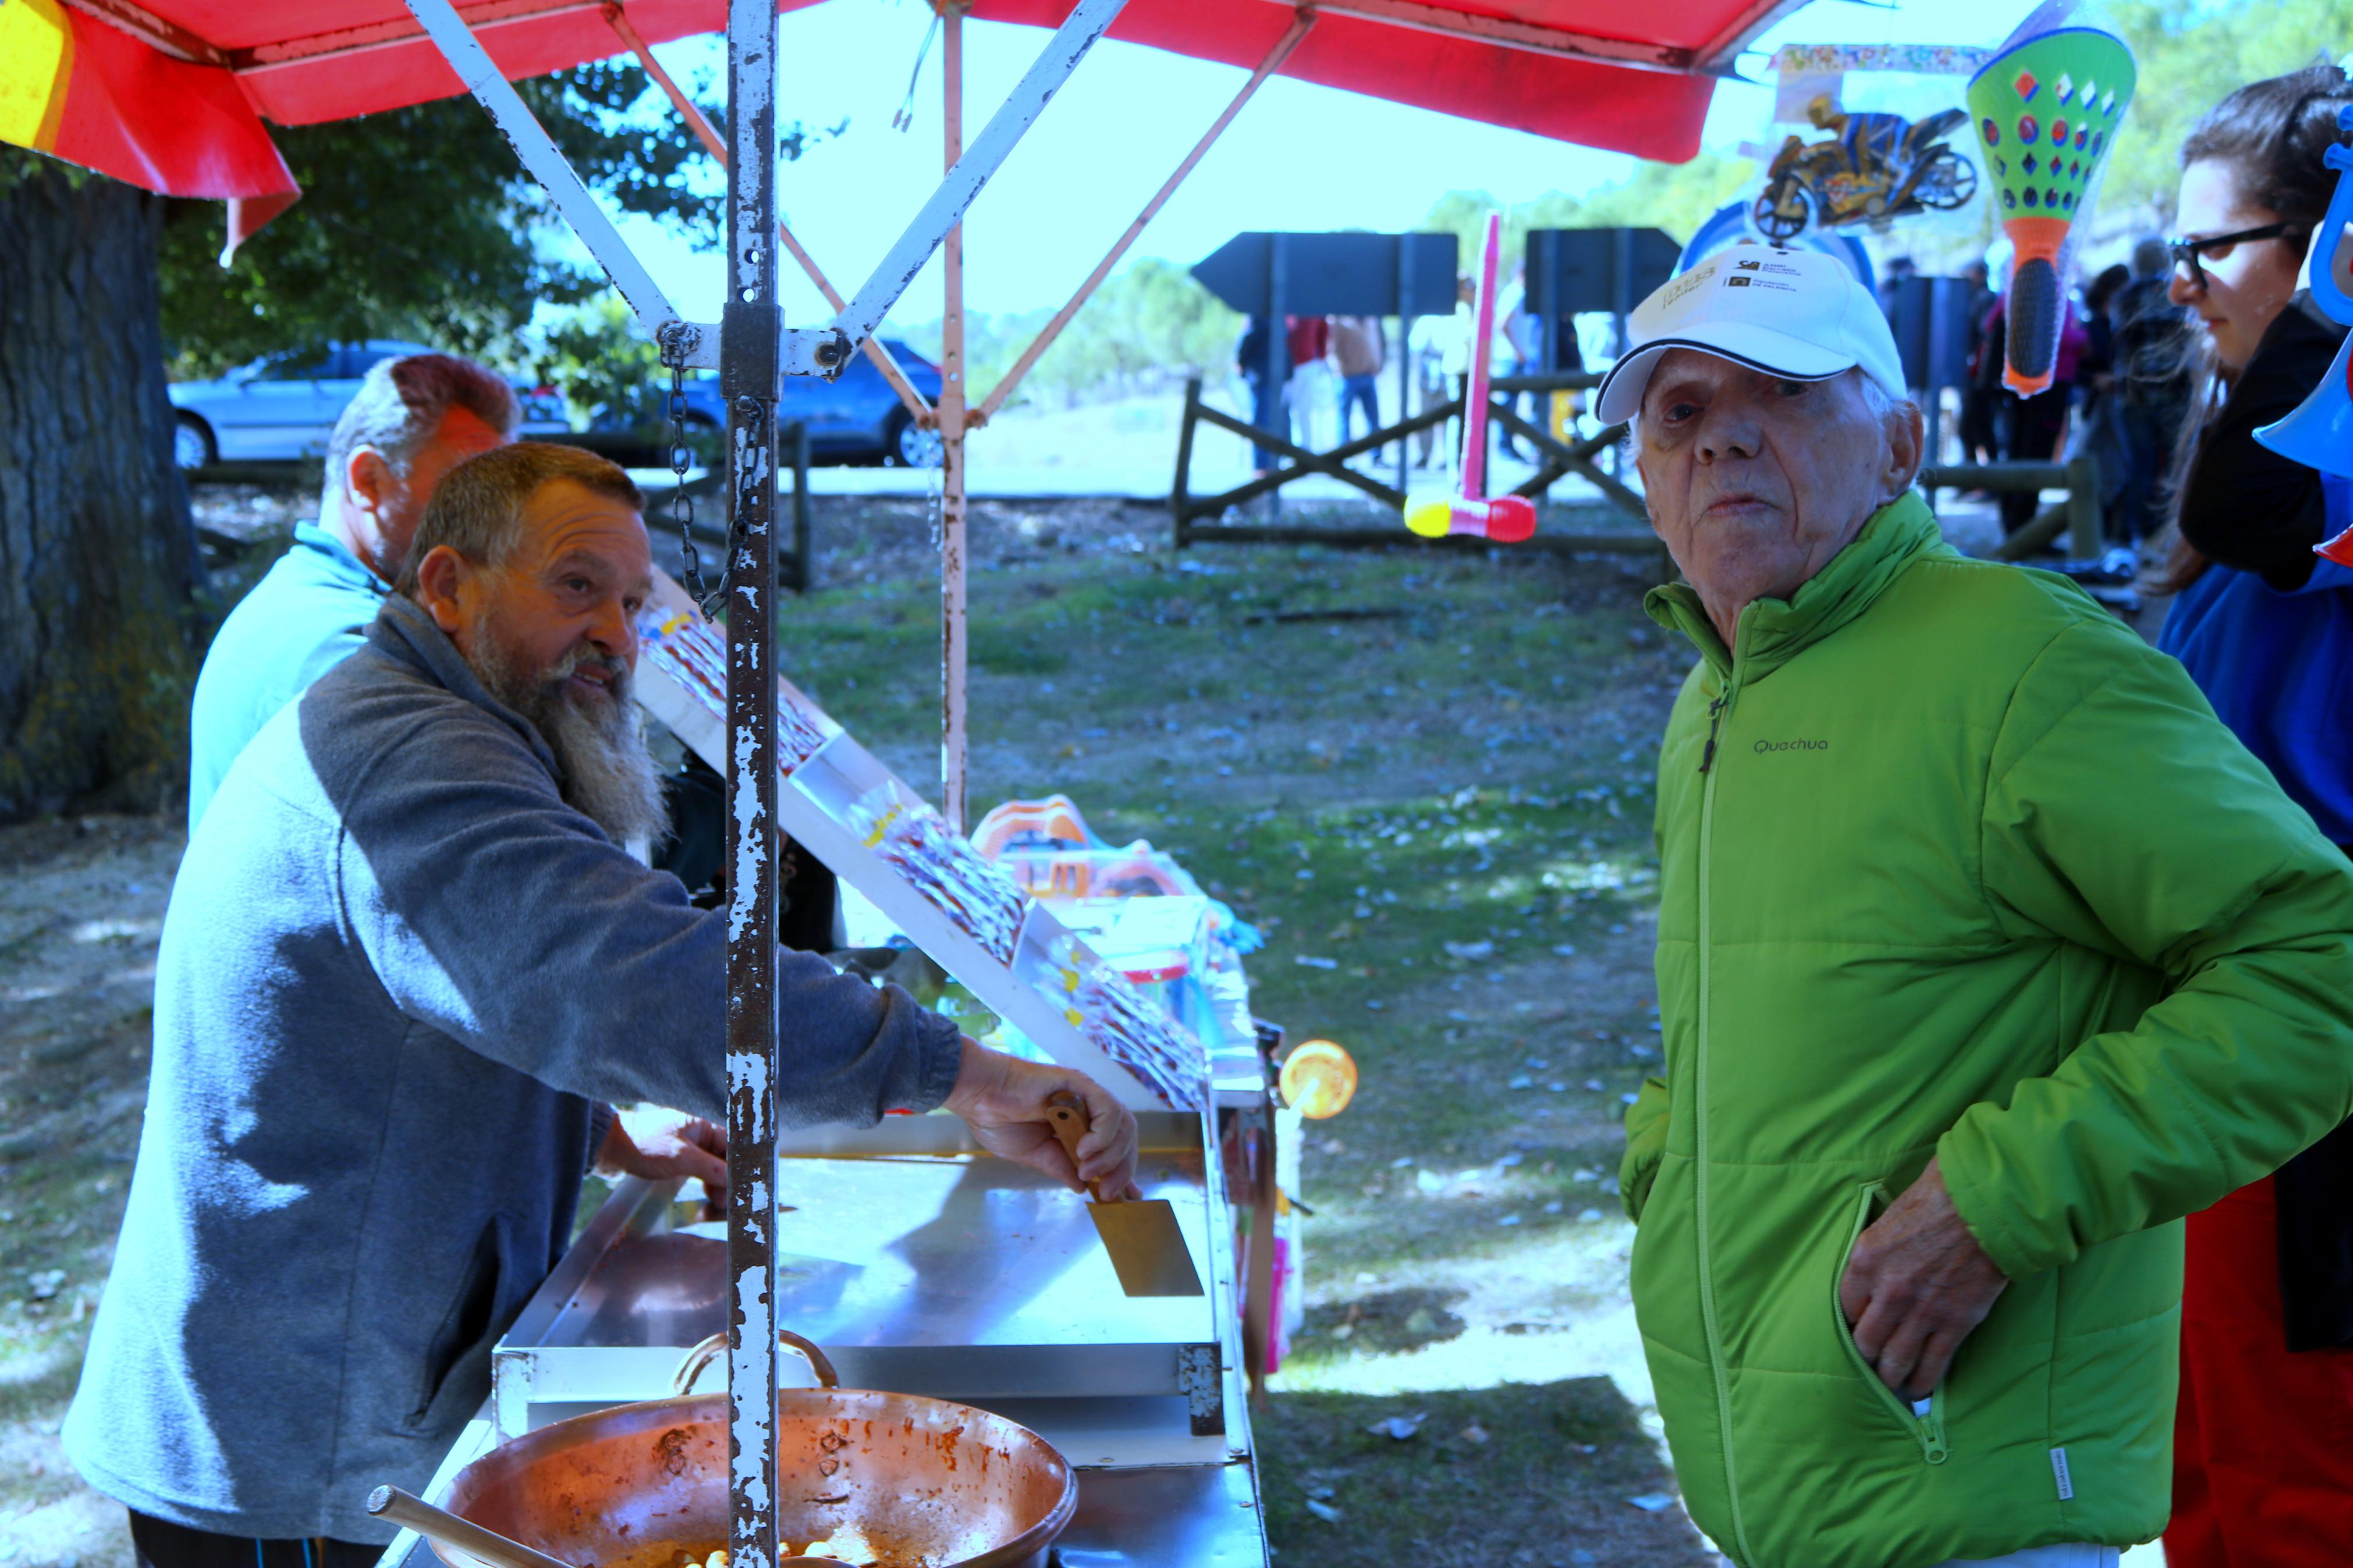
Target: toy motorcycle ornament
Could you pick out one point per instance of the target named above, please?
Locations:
(2047, 106)
(1875, 169)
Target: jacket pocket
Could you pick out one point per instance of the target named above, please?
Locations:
(1646, 1145)
(1926, 1428)
(455, 1370)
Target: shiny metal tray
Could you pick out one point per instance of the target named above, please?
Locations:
(921, 1266)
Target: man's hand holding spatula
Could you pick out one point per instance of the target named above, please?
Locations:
(1004, 1101)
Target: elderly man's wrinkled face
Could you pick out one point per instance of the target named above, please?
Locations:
(1754, 481)
(552, 631)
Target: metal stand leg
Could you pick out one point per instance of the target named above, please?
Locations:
(753, 331)
(951, 434)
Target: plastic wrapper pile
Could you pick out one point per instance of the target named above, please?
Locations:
(1124, 1025)
(979, 900)
(691, 652)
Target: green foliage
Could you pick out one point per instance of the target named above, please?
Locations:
(418, 223)
(603, 364)
(2190, 54)
(1149, 325)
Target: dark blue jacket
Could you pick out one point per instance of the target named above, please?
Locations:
(2278, 668)
(397, 973)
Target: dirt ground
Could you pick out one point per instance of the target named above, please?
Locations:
(1426, 778)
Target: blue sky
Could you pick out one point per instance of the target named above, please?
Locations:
(1299, 157)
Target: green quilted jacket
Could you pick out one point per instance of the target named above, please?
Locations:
(1953, 864)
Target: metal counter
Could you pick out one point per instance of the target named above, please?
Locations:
(922, 1266)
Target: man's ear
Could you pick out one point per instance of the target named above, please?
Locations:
(369, 478)
(439, 578)
(1907, 445)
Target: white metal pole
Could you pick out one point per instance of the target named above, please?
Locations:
(952, 433)
(751, 333)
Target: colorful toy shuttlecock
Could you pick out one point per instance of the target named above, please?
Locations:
(1506, 520)
(2047, 106)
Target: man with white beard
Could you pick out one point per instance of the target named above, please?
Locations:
(406, 966)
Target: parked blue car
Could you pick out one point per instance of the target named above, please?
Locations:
(855, 419)
(282, 408)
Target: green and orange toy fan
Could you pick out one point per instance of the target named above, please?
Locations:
(2047, 106)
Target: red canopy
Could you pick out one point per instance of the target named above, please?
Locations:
(170, 94)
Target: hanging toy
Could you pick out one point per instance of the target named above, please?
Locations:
(2319, 434)
(2047, 106)
(1506, 520)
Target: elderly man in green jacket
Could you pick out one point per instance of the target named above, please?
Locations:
(1985, 954)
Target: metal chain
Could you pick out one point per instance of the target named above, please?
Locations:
(681, 504)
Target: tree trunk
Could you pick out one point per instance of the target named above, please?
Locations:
(98, 569)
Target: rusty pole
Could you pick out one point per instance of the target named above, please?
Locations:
(708, 134)
(951, 434)
(1053, 329)
(751, 334)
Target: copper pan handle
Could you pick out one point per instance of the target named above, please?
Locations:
(711, 1348)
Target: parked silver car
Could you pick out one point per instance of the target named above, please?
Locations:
(282, 407)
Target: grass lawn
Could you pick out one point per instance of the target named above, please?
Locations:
(1428, 780)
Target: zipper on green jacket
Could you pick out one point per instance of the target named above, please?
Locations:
(1716, 712)
(1928, 1426)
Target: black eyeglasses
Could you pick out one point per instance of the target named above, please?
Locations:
(2187, 252)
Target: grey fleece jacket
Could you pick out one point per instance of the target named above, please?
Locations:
(397, 975)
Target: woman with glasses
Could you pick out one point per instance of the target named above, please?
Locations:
(2263, 1434)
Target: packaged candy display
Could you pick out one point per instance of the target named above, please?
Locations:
(979, 900)
(694, 655)
(1026, 982)
(1125, 1026)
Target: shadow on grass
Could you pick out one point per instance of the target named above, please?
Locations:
(1386, 1324)
(1517, 1475)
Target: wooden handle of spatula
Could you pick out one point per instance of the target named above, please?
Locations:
(1067, 1114)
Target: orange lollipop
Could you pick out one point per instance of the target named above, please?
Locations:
(1318, 1079)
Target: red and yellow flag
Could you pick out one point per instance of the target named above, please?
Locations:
(78, 89)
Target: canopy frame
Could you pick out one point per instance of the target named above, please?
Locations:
(752, 351)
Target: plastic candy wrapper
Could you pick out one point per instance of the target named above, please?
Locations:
(1049, 850)
(691, 651)
(2047, 105)
(977, 899)
(1122, 1023)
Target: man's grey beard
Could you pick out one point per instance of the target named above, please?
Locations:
(609, 776)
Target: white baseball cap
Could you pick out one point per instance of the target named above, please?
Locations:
(1794, 313)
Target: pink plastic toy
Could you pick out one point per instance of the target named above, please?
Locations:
(1506, 520)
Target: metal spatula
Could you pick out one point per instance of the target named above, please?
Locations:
(1146, 1246)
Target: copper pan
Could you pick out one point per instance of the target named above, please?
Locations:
(893, 1479)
